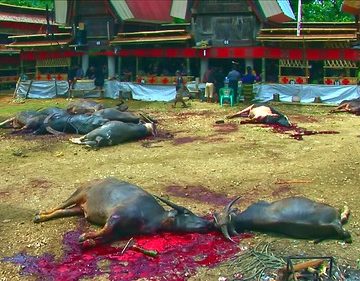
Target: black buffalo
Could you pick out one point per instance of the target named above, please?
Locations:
(115, 132)
(296, 217)
(123, 209)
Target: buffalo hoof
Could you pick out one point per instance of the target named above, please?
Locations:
(37, 218)
(82, 237)
(89, 243)
(76, 140)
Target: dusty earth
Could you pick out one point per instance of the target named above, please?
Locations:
(191, 161)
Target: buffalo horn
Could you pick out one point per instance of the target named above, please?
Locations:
(228, 207)
(225, 232)
(172, 205)
(224, 225)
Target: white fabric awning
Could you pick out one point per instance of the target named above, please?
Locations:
(277, 10)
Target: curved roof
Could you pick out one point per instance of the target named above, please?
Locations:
(351, 6)
(150, 10)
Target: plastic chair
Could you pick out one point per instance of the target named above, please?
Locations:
(226, 94)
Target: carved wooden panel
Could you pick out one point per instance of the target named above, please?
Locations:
(231, 30)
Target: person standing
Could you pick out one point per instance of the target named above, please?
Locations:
(99, 78)
(249, 77)
(209, 80)
(72, 77)
(219, 82)
(179, 81)
(90, 73)
(234, 78)
(79, 73)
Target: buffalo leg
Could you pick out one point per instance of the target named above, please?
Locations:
(58, 213)
(341, 108)
(98, 237)
(344, 215)
(79, 140)
(7, 122)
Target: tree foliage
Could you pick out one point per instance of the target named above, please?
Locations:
(322, 11)
(30, 3)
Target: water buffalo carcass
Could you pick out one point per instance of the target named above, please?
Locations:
(31, 120)
(259, 113)
(83, 106)
(296, 217)
(123, 209)
(352, 106)
(115, 132)
(78, 124)
(52, 110)
(113, 114)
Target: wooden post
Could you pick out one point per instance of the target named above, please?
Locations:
(263, 70)
(17, 86)
(28, 90)
(137, 67)
(188, 71)
(119, 66)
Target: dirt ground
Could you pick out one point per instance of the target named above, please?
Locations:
(192, 153)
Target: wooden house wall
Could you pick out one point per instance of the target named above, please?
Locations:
(237, 30)
(99, 23)
(225, 23)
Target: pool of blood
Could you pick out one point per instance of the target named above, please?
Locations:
(179, 255)
(293, 131)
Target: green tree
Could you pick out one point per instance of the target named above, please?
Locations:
(321, 11)
(30, 3)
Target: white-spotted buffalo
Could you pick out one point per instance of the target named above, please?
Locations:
(352, 106)
(296, 217)
(260, 113)
(115, 132)
(123, 209)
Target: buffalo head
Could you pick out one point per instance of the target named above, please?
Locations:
(180, 219)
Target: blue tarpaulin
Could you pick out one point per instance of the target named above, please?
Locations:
(113, 90)
(145, 92)
(330, 94)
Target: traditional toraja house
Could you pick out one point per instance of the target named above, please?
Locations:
(15, 20)
(9, 69)
(41, 44)
(156, 39)
(130, 33)
(127, 35)
(322, 53)
(162, 38)
(325, 52)
(137, 38)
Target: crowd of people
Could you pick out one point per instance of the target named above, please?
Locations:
(94, 73)
(215, 80)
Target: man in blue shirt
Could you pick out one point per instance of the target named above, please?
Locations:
(249, 77)
(234, 77)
